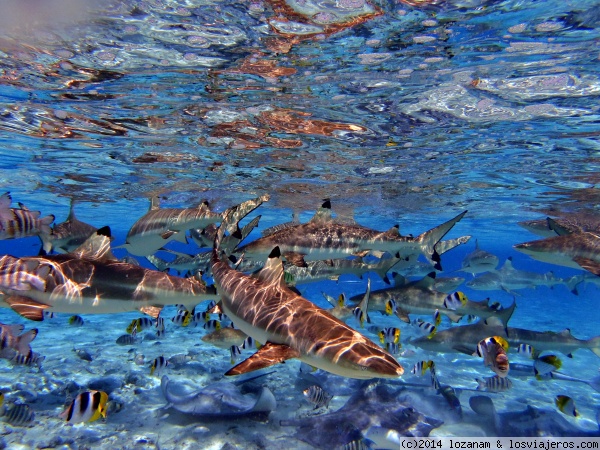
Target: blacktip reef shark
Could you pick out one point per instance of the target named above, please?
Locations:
(577, 250)
(68, 235)
(289, 326)
(479, 261)
(420, 297)
(465, 338)
(325, 238)
(160, 226)
(573, 223)
(91, 280)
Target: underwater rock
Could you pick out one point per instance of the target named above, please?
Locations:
(372, 405)
(106, 384)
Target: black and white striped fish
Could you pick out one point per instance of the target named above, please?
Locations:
(317, 396)
(158, 365)
(17, 414)
(494, 384)
(21, 222)
(30, 359)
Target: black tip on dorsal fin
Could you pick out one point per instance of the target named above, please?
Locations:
(104, 231)
(237, 234)
(431, 275)
(233, 259)
(275, 253)
(42, 252)
(326, 203)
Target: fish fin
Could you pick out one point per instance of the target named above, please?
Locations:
(399, 280)
(453, 316)
(402, 315)
(377, 253)
(26, 307)
(265, 402)
(556, 227)
(152, 311)
(96, 247)
(5, 200)
(464, 349)
(323, 214)
(24, 340)
(443, 246)
(393, 232)
(272, 272)
(296, 259)
(217, 309)
(429, 239)
(506, 313)
(181, 237)
(154, 203)
(427, 282)
(588, 264)
(268, 355)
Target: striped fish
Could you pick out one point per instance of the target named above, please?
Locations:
(158, 365)
(76, 321)
(87, 407)
(494, 384)
(11, 342)
(21, 222)
(17, 414)
(143, 323)
(30, 359)
(317, 396)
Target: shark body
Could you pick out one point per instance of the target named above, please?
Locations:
(420, 297)
(68, 235)
(90, 280)
(465, 338)
(160, 226)
(290, 326)
(323, 238)
(479, 261)
(577, 250)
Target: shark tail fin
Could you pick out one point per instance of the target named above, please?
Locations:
(594, 345)
(506, 313)
(430, 238)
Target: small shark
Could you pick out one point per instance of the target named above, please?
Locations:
(574, 223)
(324, 238)
(577, 250)
(159, 226)
(479, 261)
(68, 235)
(91, 280)
(21, 222)
(290, 326)
(419, 297)
(528, 370)
(508, 279)
(465, 338)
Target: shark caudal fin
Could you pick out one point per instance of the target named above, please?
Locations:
(594, 345)
(429, 239)
(506, 313)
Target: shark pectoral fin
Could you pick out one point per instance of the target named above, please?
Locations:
(268, 355)
(402, 315)
(296, 259)
(464, 349)
(152, 311)
(453, 316)
(588, 264)
(26, 307)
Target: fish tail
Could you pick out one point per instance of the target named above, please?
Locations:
(506, 313)
(24, 340)
(430, 238)
(46, 241)
(594, 345)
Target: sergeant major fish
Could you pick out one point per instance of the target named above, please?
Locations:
(21, 222)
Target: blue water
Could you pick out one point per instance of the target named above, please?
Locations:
(400, 114)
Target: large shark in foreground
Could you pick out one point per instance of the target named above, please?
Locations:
(290, 326)
(465, 338)
(91, 280)
(577, 250)
(324, 238)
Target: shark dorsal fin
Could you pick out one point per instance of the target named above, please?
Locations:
(399, 280)
(71, 217)
(556, 227)
(272, 272)
(394, 231)
(508, 264)
(566, 333)
(323, 214)
(427, 281)
(96, 247)
(154, 203)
